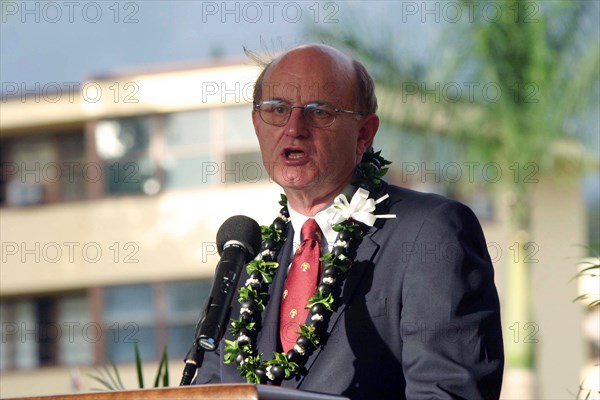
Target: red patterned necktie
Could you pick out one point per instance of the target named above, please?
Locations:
(300, 284)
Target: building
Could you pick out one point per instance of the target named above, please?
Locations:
(113, 189)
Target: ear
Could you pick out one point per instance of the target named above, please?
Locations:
(366, 133)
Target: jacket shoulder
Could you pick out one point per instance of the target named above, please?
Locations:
(414, 206)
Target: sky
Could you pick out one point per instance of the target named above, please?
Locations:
(73, 41)
(70, 41)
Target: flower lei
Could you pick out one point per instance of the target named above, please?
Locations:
(351, 221)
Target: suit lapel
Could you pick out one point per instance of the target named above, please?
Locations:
(268, 336)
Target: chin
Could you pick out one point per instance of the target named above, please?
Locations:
(296, 180)
(298, 184)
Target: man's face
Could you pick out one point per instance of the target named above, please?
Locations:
(298, 156)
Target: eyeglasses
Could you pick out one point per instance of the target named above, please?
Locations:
(276, 112)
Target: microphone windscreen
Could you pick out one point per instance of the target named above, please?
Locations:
(243, 229)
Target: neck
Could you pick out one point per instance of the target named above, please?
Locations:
(309, 203)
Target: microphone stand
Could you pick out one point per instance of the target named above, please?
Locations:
(193, 361)
(211, 328)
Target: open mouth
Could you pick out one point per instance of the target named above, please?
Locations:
(292, 154)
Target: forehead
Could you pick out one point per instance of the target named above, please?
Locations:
(304, 76)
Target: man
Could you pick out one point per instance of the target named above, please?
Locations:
(417, 315)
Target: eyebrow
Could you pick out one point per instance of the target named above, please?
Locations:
(317, 102)
(275, 99)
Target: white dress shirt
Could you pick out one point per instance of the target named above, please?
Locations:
(329, 235)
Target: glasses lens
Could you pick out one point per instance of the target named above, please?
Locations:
(275, 112)
(319, 115)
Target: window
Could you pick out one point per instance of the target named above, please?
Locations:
(61, 330)
(19, 342)
(153, 316)
(243, 161)
(244, 168)
(129, 317)
(79, 333)
(71, 153)
(4, 347)
(139, 155)
(187, 159)
(184, 303)
(27, 184)
(45, 331)
(43, 169)
(123, 146)
(238, 131)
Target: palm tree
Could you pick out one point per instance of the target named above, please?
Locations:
(541, 72)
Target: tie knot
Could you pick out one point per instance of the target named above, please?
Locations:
(311, 230)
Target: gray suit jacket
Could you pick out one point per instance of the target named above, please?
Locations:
(418, 316)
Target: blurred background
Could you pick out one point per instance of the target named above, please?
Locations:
(126, 141)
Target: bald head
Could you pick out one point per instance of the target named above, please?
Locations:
(327, 60)
(325, 57)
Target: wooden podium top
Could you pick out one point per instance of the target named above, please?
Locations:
(204, 392)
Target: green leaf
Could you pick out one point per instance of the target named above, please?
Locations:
(110, 377)
(283, 201)
(583, 271)
(117, 376)
(110, 380)
(272, 233)
(327, 258)
(249, 293)
(337, 227)
(289, 368)
(138, 365)
(320, 298)
(265, 268)
(247, 370)
(232, 347)
(239, 324)
(99, 378)
(246, 293)
(309, 333)
(165, 375)
(382, 172)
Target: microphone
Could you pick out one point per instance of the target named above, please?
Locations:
(238, 241)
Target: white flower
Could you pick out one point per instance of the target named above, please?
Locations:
(267, 252)
(299, 349)
(342, 257)
(269, 374)
(245, 309)
(317, 317)
(328, 280)
(283, 217)
(360, 208)
(243, 339)
(341, 243)
(252, 282)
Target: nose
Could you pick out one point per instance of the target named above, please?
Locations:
(296, 125)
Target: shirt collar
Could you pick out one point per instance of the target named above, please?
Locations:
(329, 235)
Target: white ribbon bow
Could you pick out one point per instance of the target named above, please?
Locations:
(360, 208)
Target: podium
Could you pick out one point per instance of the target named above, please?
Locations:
(200, 392)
